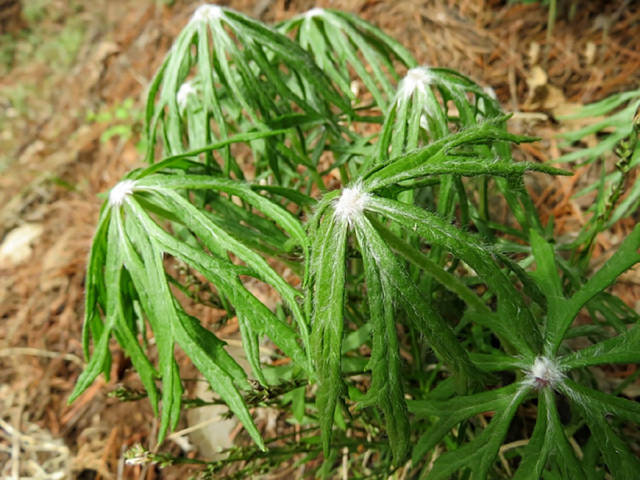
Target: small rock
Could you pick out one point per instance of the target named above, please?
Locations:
(17, 244)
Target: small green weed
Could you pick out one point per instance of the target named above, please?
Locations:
(124, 121)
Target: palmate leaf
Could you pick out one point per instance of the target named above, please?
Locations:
(386, 280)
(260, 320)
(169, 325)
(593, 406)
(118, 252)
(160, 188)
(132, 245)
(478, 150)
(216, 239)
(549, 443)
(421, 115)
(417, 116)
(389, 279)
(227, 73)
(340, 42)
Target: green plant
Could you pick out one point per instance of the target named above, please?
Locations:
(413, 309)
(123, 121)
(617, 122)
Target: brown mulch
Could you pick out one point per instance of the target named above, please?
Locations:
(59, 164)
